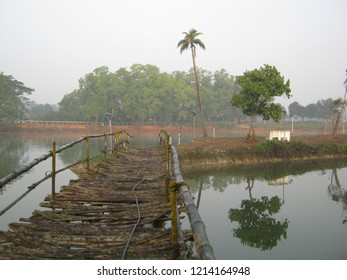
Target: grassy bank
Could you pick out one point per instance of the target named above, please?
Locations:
(209, 152)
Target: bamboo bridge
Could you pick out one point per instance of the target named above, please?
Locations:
(126, 207)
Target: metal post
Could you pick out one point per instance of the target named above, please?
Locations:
(109, 117)
(54, 154)
(105, 147)
(88, 152)
(194, 114)
(194, 128)
(110, 130)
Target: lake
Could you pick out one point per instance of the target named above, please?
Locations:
(288, 211)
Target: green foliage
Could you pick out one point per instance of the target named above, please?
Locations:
(322, 109)
(40, 111)
(282, 149)
(13, 97)
(143, 93)
(259, 87)
(190, 41)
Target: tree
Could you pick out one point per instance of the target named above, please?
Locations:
(259, 88)
(71, 106)
(143, 93)
(40, 111)
(295, 109)
(337, 109)
(181, 95)
(223, 88)
(12, 97)
(340, 104)
(191, 41)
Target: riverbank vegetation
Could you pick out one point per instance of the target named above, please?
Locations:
(218, 152)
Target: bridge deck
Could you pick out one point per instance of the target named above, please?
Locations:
(94, 216)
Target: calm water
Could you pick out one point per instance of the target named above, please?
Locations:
(250, 215)
(273, 212)
(20, 149)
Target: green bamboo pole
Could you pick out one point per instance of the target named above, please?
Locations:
(54, 155)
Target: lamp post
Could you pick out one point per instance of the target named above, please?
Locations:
(293, 124)
(194, 114)
(109, 117)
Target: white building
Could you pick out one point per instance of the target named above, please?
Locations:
(282, 135)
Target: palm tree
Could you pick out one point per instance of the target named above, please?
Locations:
(191, 41)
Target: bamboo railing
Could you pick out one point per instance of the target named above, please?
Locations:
(175, 185)
(119, 138)
(201, 242)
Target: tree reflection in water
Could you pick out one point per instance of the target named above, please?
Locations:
(337, 192)
(256, 226)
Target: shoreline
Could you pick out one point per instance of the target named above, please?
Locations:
(228, 149)
(190, 167)
(210, 153)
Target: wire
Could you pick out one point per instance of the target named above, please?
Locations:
(138, 208)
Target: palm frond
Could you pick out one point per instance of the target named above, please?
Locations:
(190, 41)
(199, 43)
(183, 45)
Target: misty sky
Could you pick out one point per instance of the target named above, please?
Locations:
(50, 44)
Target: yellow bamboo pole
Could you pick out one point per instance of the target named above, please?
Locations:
(173, 204)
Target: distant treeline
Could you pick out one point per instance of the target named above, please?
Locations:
(143, 93)
(322, 109)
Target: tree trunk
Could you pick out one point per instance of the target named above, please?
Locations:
(204, 131)
(338, 119)
(251, 132)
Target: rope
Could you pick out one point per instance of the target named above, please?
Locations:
(138, 208)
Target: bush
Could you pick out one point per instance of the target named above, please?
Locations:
(277, 148)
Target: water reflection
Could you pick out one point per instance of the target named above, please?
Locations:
(11, 152)
(257, 228)
(276, 211)
(338, 193)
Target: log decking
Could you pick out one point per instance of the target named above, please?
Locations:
(96, 216)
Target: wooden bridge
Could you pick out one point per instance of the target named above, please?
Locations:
(118, 209)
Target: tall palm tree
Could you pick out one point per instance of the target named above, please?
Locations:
(191, 41)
